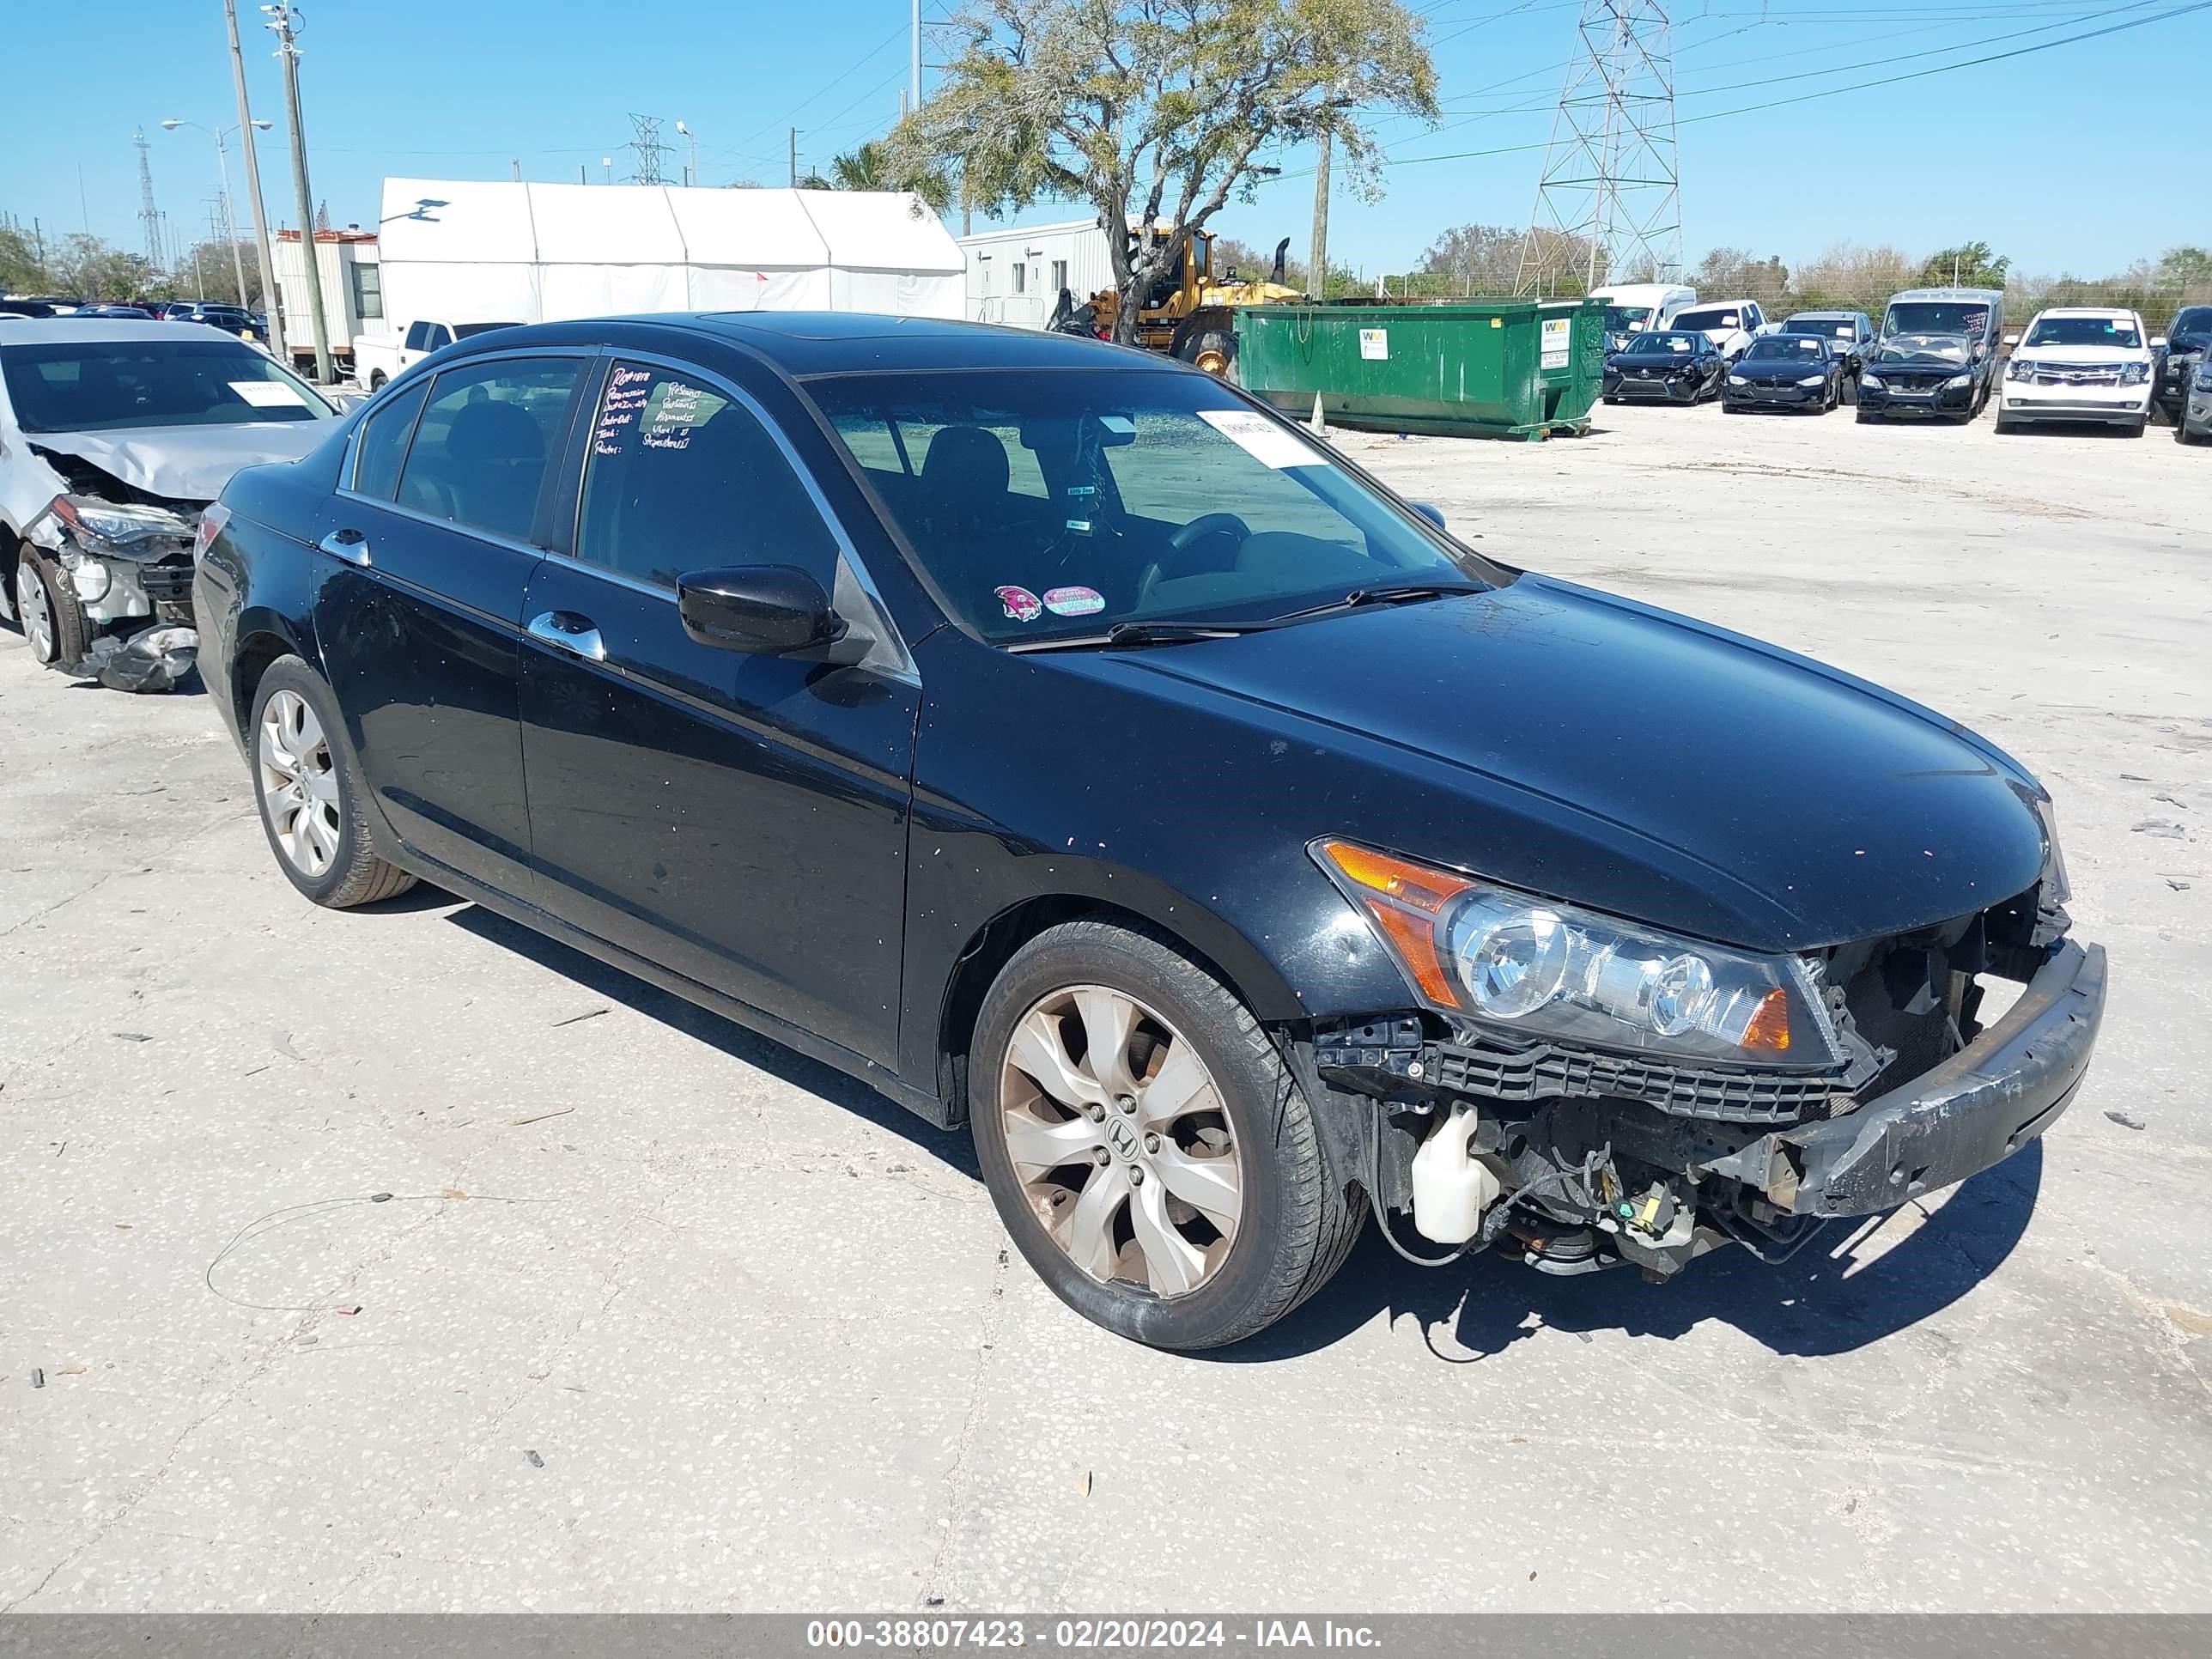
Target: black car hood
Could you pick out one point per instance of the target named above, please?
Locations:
(1780, 372)
(1579, 745)
(1650, 359)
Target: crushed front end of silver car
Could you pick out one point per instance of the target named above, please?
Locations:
(1862, 1075)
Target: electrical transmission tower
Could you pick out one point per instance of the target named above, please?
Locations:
(1609, 202)
(150, 217)
(646, 146)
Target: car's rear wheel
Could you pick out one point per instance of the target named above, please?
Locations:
(53, 621)
(310, 793)
(1148, 1150)
(376, 379)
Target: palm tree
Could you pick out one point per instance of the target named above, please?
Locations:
(869, 167)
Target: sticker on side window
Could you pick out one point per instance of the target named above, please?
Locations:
(269, 394)
(1021, 604)
(1260, 438)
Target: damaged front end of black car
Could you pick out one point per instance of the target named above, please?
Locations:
(1586, 1092)
(109, 580)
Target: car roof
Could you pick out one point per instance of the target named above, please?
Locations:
(1847, 316)
(811, 342)
(2084, 311)
(67, 330)
(1918, 295)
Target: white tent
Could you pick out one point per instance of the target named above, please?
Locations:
(458, 251)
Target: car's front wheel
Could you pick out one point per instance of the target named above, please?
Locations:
(1145, 1144)
(310, 793)
(53, 619)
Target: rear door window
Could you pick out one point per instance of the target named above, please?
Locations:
(482, 446)
(383, 443)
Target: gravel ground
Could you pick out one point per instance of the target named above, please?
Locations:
(662, 1316)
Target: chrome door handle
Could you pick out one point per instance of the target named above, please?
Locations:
(564, 630)
(348, 544)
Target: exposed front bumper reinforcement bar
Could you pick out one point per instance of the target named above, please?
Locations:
(1975, 1109)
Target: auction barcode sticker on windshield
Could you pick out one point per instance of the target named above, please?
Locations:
(1260, 438)
(1558, 331)
(269, 394)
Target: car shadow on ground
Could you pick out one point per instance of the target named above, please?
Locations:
(951, 1147)
(1855, 1283)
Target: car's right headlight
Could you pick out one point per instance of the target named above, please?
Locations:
(1543, 970)
(1813, 380)
(2018, 369)
(1739, 379)
(1870, 380)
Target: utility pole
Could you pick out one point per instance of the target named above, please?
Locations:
(914, 69)
(794, 158)
(272, 301)
(1317, 269)
(690, 167)
(286, 22)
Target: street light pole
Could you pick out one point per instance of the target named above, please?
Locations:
(285, 21)
(271, 301)
(229, 219)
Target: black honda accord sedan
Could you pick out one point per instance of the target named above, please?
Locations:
(1056, 739)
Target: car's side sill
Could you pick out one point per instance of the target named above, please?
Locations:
(923, 1103)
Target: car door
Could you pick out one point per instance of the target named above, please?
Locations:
(741, 819)
(419, 612)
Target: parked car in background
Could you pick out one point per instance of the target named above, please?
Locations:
(1850, 334)
(1941, 333)
(2186, 344)
(2082, 363)
(1783, 372)
(381, 358)
(115, 312)
(40, 305)
(231, 320)
(1633, 309)
(731, 650)
(1731, 326)
(1671, 365)
(2192, 421)
(114, 436)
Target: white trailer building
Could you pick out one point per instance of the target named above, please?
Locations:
(1015, 276)
(465, 251)
(353, 298)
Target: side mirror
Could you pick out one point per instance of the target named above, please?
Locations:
(2156, 340)
(2012, 340)
(767, 610)
(1430, 511)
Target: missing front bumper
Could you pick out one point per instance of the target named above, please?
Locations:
(1974, 1110)
(153, 659)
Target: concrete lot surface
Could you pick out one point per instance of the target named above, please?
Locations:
(663, 1317)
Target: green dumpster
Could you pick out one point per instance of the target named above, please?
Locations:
(1479, 368)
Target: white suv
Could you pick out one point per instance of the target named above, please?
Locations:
(1730, 325)
(2081, 363)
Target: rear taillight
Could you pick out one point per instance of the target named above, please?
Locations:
(211, 524)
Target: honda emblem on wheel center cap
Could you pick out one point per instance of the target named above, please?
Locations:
(1121, 1136)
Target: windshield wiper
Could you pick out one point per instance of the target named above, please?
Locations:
(1130, 635)
(1394, 593)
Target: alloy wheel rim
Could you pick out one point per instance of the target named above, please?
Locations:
(1120, 1142)
(37, 614)
(298, 784)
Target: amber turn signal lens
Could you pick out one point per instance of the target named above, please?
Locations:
(1769, 1030)
(1407, 901)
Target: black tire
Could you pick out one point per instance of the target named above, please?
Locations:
(2006, 429)
(1851, 391)
(1202, 346)
(2181, 432)
(356, 875)
(72, 630)
(2138, 429)
(1296, 1225)
(376, 377)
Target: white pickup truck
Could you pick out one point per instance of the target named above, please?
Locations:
(381, 358)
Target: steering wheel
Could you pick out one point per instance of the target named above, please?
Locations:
(1206, 524)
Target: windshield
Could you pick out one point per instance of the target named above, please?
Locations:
(107, 385)
(2193, 321)
(2086, 331)
(1795, 347)
(1715, 317)
(1923, 348)
(1936, 316)
(1056, 505)
(1657, 344)
(1831, 328)
(1626, 319)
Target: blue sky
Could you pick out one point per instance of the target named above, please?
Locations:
(2080, 158)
